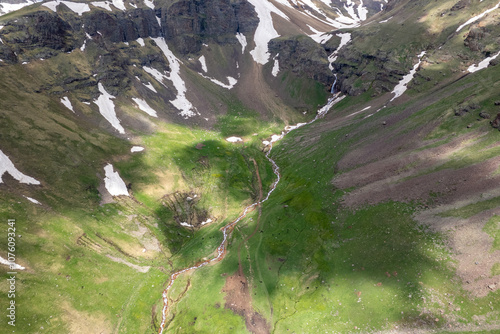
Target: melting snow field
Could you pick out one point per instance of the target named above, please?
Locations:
(10, 7)
(475, 18)
(401, 87)
(483, 64)
(318, 36)
(144, 106)
(344, 39)
(114, 183)
(32, 200)
(234, 139)
(232, 81)
(276, 66)
(76, 7)
(136, 149)
(67, 103)
(265, 30)
(181, 102)
(6, 165)
(107, 108)
(203, 64)
(102, 4)
(140, 41)
(243, 41)
(12, 266)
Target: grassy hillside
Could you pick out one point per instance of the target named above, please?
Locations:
(385, 218)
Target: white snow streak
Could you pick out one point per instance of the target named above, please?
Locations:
(150, 86)
(119, 4)
(11, 7)
(144, 106)
(6, 165)
(475, 18)
(265, 30)
(483, 64)
(243, 41)
(77, 7)
(344, 39)
(318, 36)
(32, 200)
(12, 266)
(276, 66)
(136, 149)
(113, 182)
(102, 4)
(67, 103)
(401, 87)
(181, 102)
(107, 108)
(140, 41)
(234, 139)
(149, 3)
(203, 64)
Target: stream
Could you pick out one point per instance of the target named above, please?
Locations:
(221, 250)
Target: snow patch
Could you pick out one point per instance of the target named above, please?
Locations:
(181, 102)
(136, 149)
(276, 66)
(107, 108)
(32, 200)
(113, 182)
(483, 64)
(149, 3)
(144, 106)
(234, 139)
(12, 265)
(6, 165)
(265, 30)
(140, 41)
(401, 87)
(387, 20)
(102, 4)
(243, 41)
(344, 39)
(186, 224)
(203, 64)
(67, 103)
(318, 36)
(357, 112)
(206, 221)
(477, 17)
(77, 7)
(232, 81)
(11, 7)
(119, 4)
(150, 86)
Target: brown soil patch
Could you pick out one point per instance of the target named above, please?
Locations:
(83, 322)
(470, 244)
(239, 301)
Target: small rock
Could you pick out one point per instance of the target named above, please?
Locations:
(484, 115)
(492, 286)
(497, 103)
(469, 126)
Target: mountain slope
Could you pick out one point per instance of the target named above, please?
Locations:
(143, 123)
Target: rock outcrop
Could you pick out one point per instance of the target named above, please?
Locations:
(303, 57)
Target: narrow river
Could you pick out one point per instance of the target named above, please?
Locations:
(221, 250)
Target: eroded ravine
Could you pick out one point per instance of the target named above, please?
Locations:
(226, 230)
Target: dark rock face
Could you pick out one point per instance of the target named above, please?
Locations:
(188, 23)
(122, 26)
(303, 57)
(356, 74)
(40, 30)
